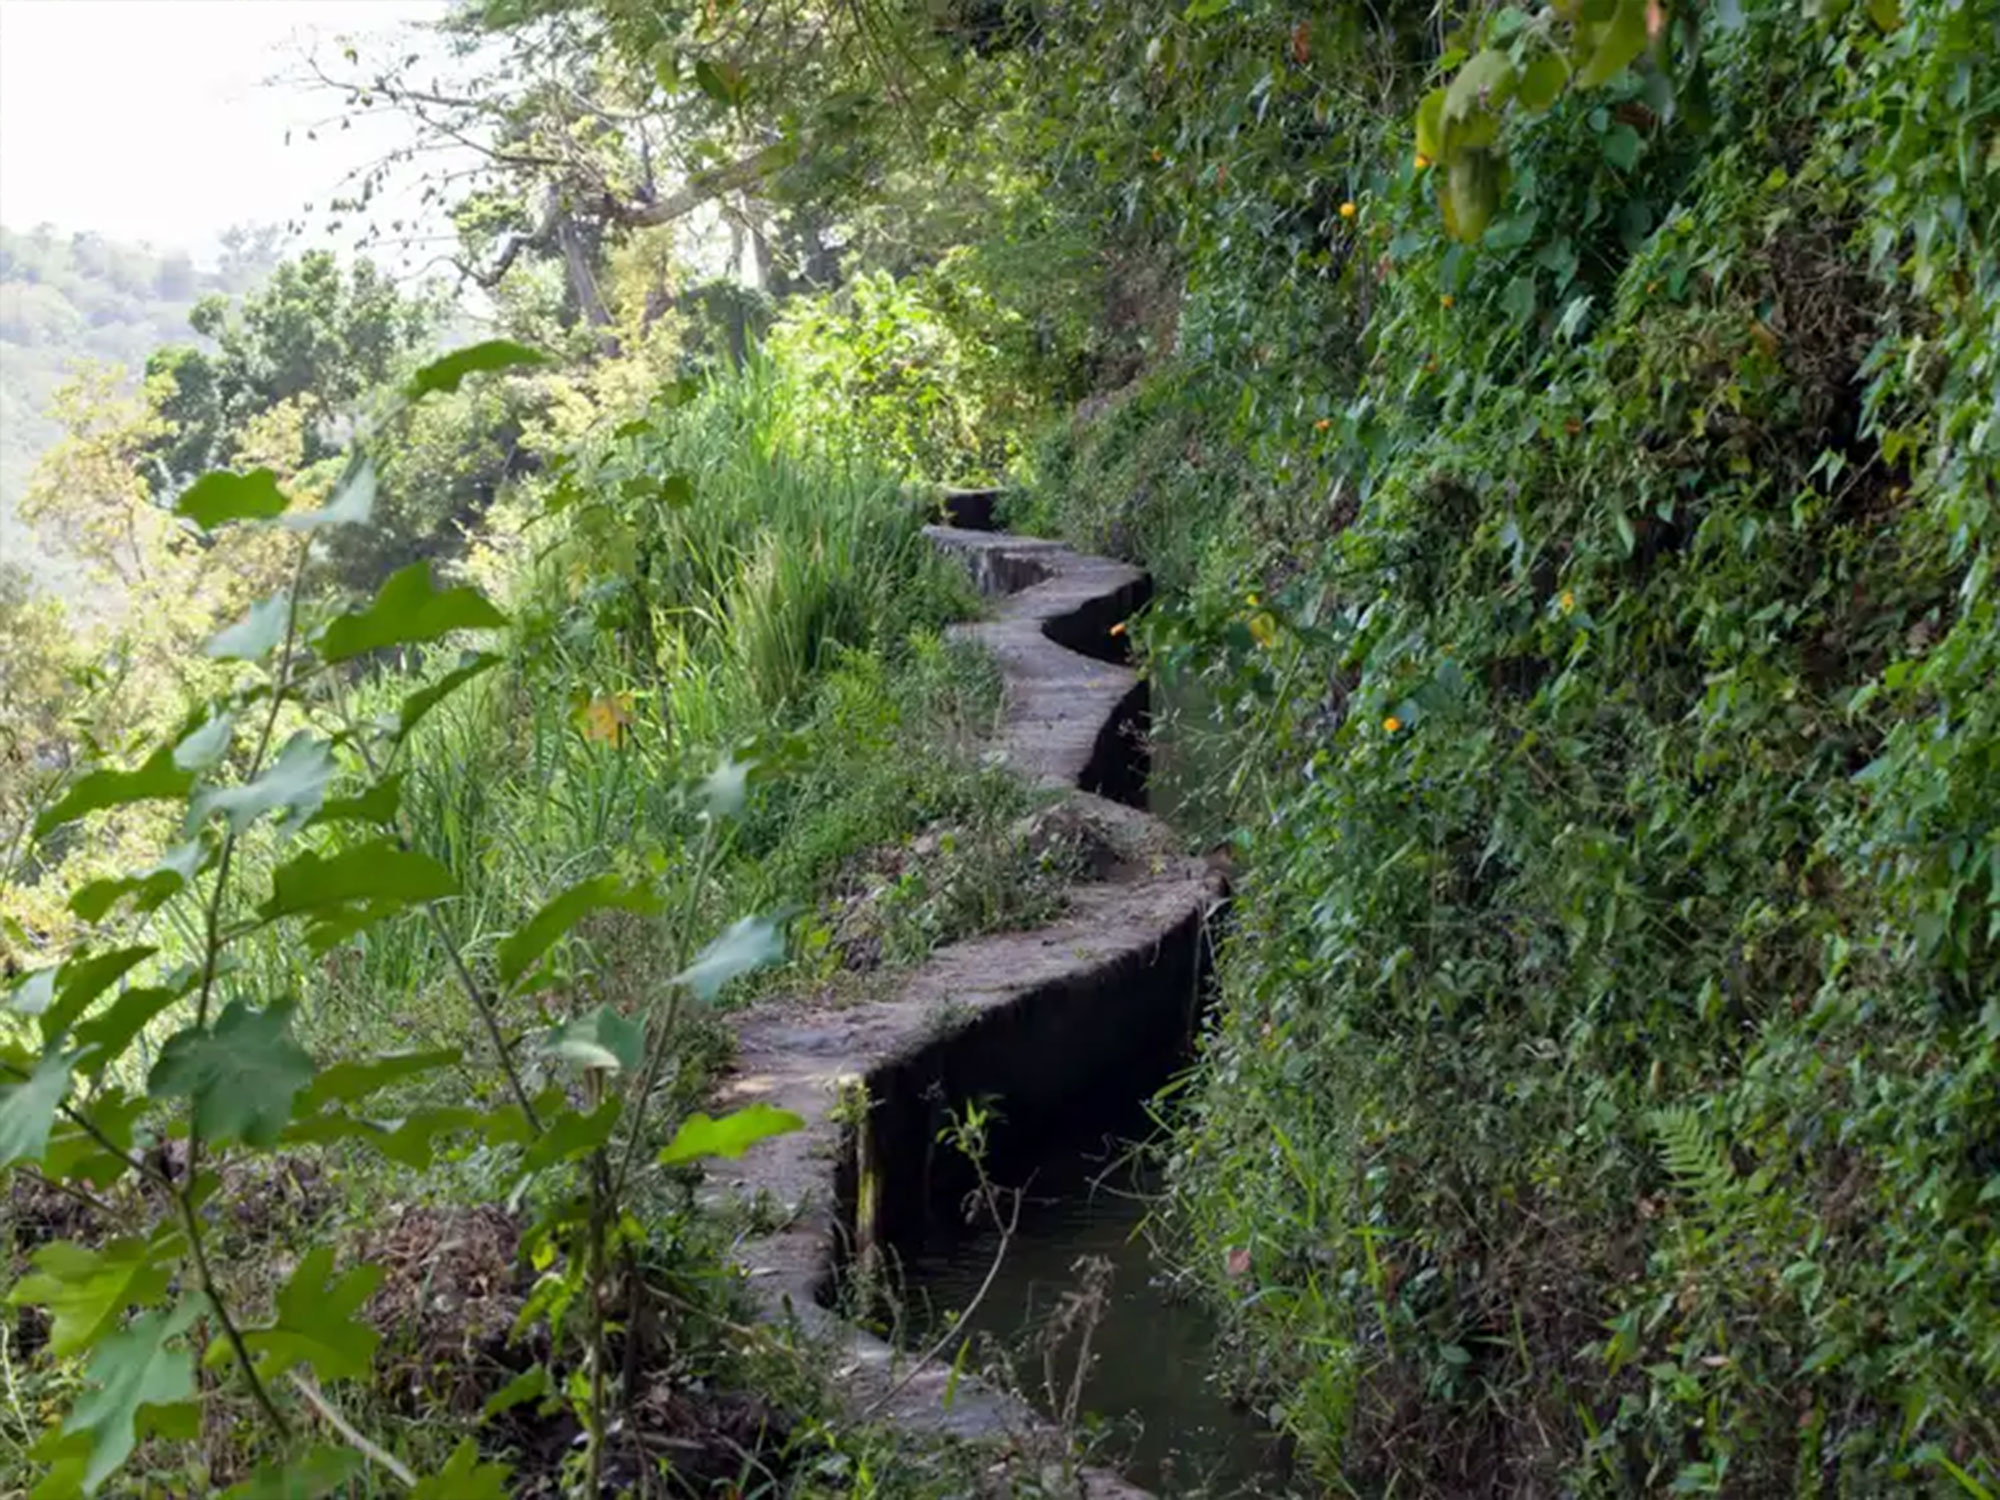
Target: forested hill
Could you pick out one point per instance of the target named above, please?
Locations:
(68, 297)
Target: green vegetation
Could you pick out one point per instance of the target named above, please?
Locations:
(1565, 444)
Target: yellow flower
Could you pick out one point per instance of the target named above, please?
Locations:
(1251, 600)
(1422, 161)
(1392, 724)
(1568, 601)
(1347, 210)
(1446, 300)
(604, 719)
(1263, 628)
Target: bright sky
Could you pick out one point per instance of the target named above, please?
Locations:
(151, 119)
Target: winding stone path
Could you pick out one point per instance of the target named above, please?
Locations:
(1040, 1018)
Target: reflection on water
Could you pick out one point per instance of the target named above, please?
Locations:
(1168, 1428)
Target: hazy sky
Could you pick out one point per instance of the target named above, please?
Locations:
(149, 119)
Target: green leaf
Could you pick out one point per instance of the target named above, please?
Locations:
(82, 979)
(520, 950)
(352, 504)
(241, 1076)
(424, 699)
(720, 81)
(569, 1134)
(376, 873)
(495, 354)
(1542, 81)
(1618, 42)
(105, 1036)
(464, 1478)
(88, 1290)
(28, 1108)
(150, 889)
(410, 1142)
(1470, 193)
(526, 1386)
(295, 782)
(317, 1323)
(316, 1473)
(157, 780)
(1485, 82)
(379, 804)
(252, 637)
(732, 1135)
(76, 1154)
(203, 747)
(676, 490)
(141, 1382)
(749, 944)
(1621, 147)
(406, 610)
(1430, 126)
(345, 1082)
(603, 1039)
(221, 496)
(1886, 14)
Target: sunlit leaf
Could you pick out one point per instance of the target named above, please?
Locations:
(88, 1290)
(379, 805)
(1618, 42)
(495, 354)
(252, 637)
(241, 1075)
(352, 504)
(82, 979)
(205, 746)
(464, 1478)
(602, 1040)
(156, 780)
(700, 1136)
(28, 1108)
(520, 951)
(295, 783)
(149, 890)
(138, 1381)
(1542, 80)
(318, 1323)
(371, 873)
(222, 496)
(749, 944)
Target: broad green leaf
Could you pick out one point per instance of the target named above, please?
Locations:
(603, 1039)
(318, 1323)
(676, 490)
(87, 1291)
(295, 782)
(424, 699)
(76, 1155)
(156, 780)
(464, 1477)
(352, 504)
(526, 1386)
(150, 889)
(726, 788)
(28, 1108)
(1617, 43)
(1542, 80)
(140, 1382)
(34, 991)
(410, 1142)
(379, 805)
(1470, 193)
(405, 610)
(102, 1038)
(520, 950)
(316, 1473)
(252, 637)
(345, 1082)
(202, 748)
(82, 979)
(749, 944)
(495, 354)
(241, 1075)
(1486, 81)
(732, 1135)
(373, 873)
(568, 1134)
(221, 496)
(1430, 126)
(1886, 14)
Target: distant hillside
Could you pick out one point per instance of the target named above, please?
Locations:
(69, 298)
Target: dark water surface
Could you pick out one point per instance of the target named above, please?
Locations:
(1168, 1428)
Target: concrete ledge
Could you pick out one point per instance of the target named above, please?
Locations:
(1040, 1018)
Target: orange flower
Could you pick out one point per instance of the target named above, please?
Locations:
(1568, 601)
(604, 720)
(1422, 161)
(1322, 424)
(1391, 724)
(1301, 44)
(1119, 628)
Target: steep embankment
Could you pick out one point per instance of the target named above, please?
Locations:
(1047, 1020)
